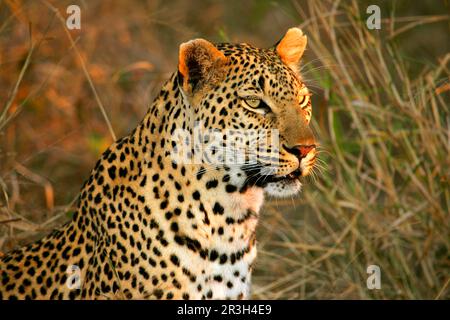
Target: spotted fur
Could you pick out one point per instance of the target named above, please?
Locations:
(147, 227)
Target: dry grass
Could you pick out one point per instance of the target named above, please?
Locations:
(381, 110)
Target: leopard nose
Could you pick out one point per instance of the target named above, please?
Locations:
(300, 151)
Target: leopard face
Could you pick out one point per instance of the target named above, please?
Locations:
(255, 104)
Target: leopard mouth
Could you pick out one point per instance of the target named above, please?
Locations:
(284, 186)
(255, 178)
(294, 175)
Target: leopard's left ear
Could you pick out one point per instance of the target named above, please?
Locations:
(200, 65)
(291, 48)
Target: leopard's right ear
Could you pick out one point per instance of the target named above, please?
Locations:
(200, 65)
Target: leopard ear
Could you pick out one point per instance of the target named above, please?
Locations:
(200, 65)
(291, 48)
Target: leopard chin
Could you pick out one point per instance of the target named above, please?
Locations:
(283, 188)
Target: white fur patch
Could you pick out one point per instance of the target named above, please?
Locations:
(251, 199)
(282, 189)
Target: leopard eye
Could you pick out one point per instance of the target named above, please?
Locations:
(253, 102)
(304, 100)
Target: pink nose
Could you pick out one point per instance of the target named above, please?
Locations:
(300, 151)
(304, 150)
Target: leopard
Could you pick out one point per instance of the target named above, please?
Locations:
(162, 215)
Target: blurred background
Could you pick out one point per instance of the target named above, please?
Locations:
(380, 111)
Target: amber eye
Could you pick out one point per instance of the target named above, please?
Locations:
(304, 100)
(253, 102)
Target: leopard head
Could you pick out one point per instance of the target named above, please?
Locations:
(255, 106)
